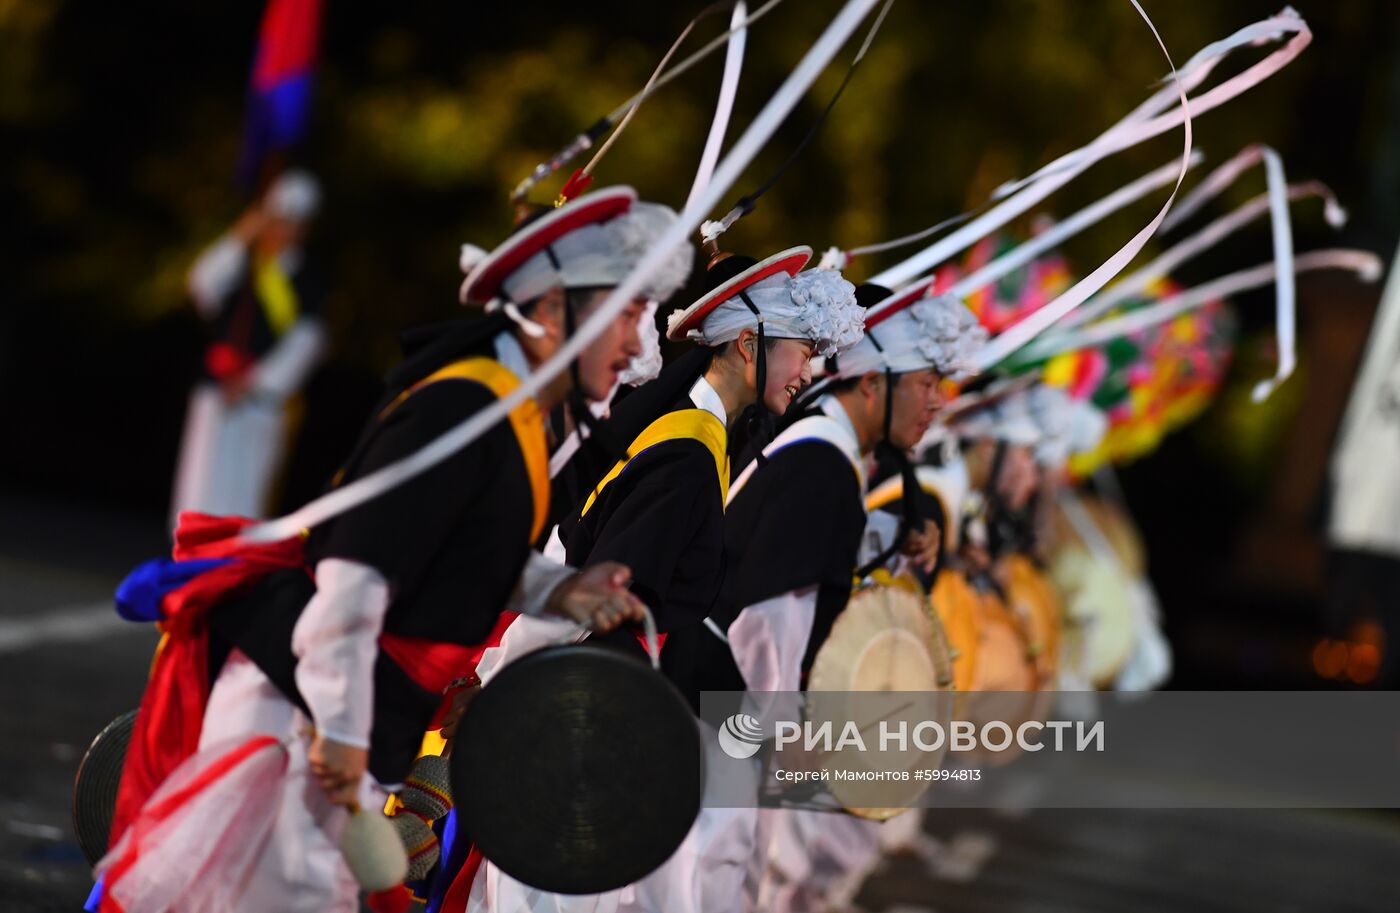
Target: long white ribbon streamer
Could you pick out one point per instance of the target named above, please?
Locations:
(1213, 184)
(1134, 128)
(710, 231)
(1141, 124)
(1286, 292)
(1221, 178)
(1061, 231)
(729, 170)
(1138, 281)
(1026, 329)
(583, 142)
(1285, 296)
(835, 258)
(1362, 262)
(646, 92)
(728, 88)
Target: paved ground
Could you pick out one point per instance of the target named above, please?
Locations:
(1149, 862)
(67, 666)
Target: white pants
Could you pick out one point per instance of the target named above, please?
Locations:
(704, 875)
(229, 455)
(300, 870)
(817, 860)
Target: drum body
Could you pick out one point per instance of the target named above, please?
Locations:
(1096, 588)
(95, 787)
(885, 662)
(578, 769)
(1034, 602)
(958, 608)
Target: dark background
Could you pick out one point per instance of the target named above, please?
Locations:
(120, 125)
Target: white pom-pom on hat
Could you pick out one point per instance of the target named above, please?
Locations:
(469, 258)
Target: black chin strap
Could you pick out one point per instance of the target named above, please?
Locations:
(910, 515)
(574, 400)
(758, 420)
(996, 507)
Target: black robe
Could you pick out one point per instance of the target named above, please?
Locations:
(242, 322)
(662, 516)
(796, 523)
(929, 507)
(451, 543)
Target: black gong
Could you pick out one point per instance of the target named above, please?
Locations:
(577, 770)
(95, 788)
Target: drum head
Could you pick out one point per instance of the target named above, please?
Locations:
(885, 659)
(1036, 606)
(577, 769)
(958, 609)
(95, 788)
(1004, 660)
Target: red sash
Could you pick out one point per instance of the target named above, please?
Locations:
(172, 709)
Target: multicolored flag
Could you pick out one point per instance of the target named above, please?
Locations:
(279, 90)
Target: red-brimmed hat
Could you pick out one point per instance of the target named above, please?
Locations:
(886, 307)
(483, 283)
(731, 276)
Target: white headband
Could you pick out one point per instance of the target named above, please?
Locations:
(817, 305)
(938, 332)
(1045, 418)
(1069, 425)
(597, 256)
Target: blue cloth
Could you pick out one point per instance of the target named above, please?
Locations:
(139, 596)
(448, 867)
(95, 898)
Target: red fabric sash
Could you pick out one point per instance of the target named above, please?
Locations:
(433, 665)
(172, 708)
(169, 805)
(455, 900)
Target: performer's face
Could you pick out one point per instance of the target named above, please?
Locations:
(789, 363)
(602, 362)
(916, 399)
(1019, 477)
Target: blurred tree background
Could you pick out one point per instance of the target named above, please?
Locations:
(121, 124)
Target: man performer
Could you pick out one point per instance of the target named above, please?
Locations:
(358, 641)
(258, 299)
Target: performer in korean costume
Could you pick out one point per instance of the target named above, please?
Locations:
(660, 510)
(356, 634)
(760, 324)
(785, 590)
(260, 303)
(451, 884)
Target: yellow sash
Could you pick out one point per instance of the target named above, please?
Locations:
(276, 295)
(696, 424)
(526, 421)
(893, 489)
